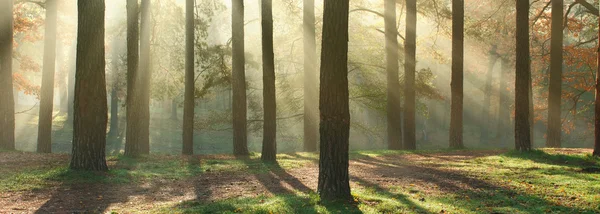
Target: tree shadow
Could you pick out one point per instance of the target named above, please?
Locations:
(540, 156)
(403, 199)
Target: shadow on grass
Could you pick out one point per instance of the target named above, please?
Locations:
(540, 156)
(401, 198)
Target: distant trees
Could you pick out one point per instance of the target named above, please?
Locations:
(239, 105)
(334, 104)
(555, 83)
(188, 106)
(44, 140)
(487, 93)
(394, 112)
(269, 146)
(90, 112)
(522, 82)
(7, 102)
(311, 100)
(410, 47)
(456, 115)
(114, 98)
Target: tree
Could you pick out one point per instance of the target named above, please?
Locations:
(334, 103)
(503, 102)
(114, 98)
(394, 117)
(410, 46)
(133, 141)
(311, 101)
(597, 104)
(90, 112)
(44, 141)
(487, 93)
(239, 109)
(269, 147)
(188, 106)
(555, 83)
(145, 74)
(456, 115)
(523, 74)
(7, 102)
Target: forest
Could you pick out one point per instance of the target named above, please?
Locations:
(300, 106)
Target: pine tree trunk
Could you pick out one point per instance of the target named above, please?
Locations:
(145, 74)
(487, 94)
(91, 116)
(239, 105)
(7, 101)
(503, 104)
(456, 115)
(333, 104)
(269, 147)
(597, 105)
(555, 84)
(523, 74)
(410, 46)
(311, 100)
(132, 145)
(44, 141)
(394, 112)
(188, 106)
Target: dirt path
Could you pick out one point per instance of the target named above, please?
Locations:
(429, 173)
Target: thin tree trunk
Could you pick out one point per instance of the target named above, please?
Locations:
(523, 74)
(71, 84)
(503, 103)
(7, 101)
(410, 46)
(145, 74)
(269, 147)
(456, 116)
(394, 112)
(597, 104)
(487, 94)
(173, 109)
(311, 100)
(334, 104)
(44, 141)
(239, 110)
(132, 142)
(114, 99)
(91, 116)
(555, 84)
(188, 106)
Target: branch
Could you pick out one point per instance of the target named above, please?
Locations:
(590, 8)
(378, 14)
(39, 3)
(21, 112)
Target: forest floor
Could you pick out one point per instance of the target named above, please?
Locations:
(465, 181)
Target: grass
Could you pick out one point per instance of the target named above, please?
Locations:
(541, 181)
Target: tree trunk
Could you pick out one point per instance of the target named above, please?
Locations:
(410, 46)
(7, 101)
(333, 104)
(597, 104)
(240, 141)
(311, 100)
(173, 109)
(188, 106)
(523, 74)
(114, 99)
(145, 74)
(71, 84)
(555, 84)
(456, 116)
(132, 142)
(62, 75)
(269, 147)
(487, 94)
(503, 103)
(44, 141)
(89, 124)
(394, 112)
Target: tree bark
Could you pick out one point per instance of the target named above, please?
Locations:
(239, 109)
(597, 104)
(523, 74)
(394, 111)
(311, 100)
(334, 104)
(91, 116)
(269, 147)
(487, 94)
(7, 101)
(145, 74)
(555, 84)
(410, 46)
(456, 115)
(132, 142)
(44, 141)
(188, 106)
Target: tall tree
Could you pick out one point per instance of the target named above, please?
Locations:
(394, 117)
(239, 109)
(188, 106)
(456, 115)
(503, 102)
(91, 112)
(44, 141)
(133, 140)
(523, 74)
(269, 147)
(487, 94)
(333, 103)
(145, 74)
(7, 102)
(597, 104)
(555, 84)
(311, 100)
(71, 84)
(410, 46)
